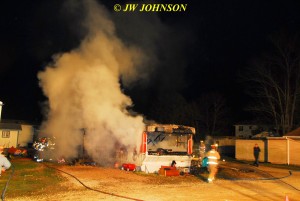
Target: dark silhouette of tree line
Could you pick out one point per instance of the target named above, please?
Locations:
(271, 81)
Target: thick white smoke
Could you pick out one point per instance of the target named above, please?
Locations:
(85, 96)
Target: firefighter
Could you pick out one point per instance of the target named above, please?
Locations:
(40, 147)
(213, 157)
(4, 162)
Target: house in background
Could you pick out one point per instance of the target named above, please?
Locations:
(16, 134)
(246, 131)
(9, 134)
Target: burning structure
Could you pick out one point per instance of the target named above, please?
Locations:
(160, 146)
(85, 86)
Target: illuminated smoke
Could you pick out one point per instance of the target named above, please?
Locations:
(84, 92)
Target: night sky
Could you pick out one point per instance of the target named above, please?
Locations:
(197, 51)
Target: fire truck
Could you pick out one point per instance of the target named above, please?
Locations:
(162, 144)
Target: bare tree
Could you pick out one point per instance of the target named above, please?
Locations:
(275, 83)
(211, 111)
(171, 107)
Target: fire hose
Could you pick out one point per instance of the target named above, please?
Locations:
(7, 182)
(89, 188)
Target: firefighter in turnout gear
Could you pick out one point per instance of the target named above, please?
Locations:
(213, 158)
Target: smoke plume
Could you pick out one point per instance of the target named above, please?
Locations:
(86, 103)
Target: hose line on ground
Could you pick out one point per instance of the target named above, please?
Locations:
(89, 188)
(7, 182)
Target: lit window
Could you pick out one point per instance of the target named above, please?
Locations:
(5, 134)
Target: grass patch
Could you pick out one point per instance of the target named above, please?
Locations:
(30, 178)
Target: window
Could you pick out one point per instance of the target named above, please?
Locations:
(241, 128)
(5, 134)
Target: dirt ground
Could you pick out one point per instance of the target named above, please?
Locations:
(235, 181)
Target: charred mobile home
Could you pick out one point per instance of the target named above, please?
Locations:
(162, 144)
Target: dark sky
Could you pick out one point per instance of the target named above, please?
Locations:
(204, 47)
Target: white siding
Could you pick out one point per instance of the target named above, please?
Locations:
(10, 141)
(26, 135)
